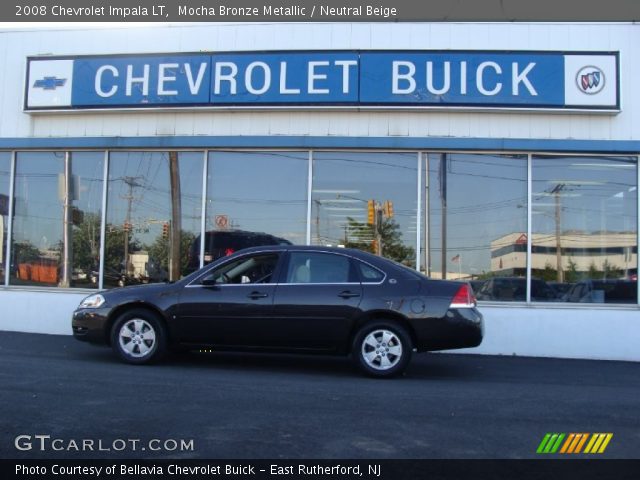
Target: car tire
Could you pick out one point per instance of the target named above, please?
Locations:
(138, 336)
(382, 349)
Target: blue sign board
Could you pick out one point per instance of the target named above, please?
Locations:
(378, 79)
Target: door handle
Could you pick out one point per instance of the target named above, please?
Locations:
(348, 294)
(256, 295)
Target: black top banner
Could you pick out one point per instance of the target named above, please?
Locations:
(318, 10)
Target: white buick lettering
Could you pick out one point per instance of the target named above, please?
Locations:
(404, 82)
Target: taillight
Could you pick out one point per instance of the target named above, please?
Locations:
(228, 251)
(464, 297)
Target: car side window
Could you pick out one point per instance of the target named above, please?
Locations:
(245, 270)
(316, 267)
(368, 274)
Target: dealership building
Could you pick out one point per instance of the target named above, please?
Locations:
(504, 154)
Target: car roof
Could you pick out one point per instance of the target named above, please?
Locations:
(314, 248)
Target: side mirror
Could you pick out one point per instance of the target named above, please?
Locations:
(245, 279)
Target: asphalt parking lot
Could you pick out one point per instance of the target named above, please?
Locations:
(258, 406)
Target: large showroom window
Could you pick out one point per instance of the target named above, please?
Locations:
(475, 222)
(153, 216)
(56, 226)
(366, 200)
(253, 199)
(5, 176)
(584, 223)
(169, 213)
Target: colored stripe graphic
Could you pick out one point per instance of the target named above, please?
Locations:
(574, 443)
(598, 443)
(550, 443)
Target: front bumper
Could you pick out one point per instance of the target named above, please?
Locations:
(459, 328)
(90, 325)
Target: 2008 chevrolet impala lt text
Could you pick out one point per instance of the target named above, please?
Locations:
(288, 298)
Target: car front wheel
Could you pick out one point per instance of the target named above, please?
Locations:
(382, 349)
(138, 337)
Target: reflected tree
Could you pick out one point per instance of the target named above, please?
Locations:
(159, 251)
(390, 234)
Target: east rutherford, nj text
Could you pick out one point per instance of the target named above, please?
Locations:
(185, 470)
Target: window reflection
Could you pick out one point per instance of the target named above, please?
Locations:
(5, 173)
(153, 215)
(366, 200)
(56, 227)
(584, 221)
(476, 222)
(254, 199)
(473, 220)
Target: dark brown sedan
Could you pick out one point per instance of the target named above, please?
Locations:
(288, 298)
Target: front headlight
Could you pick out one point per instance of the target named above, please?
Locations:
(92, 301)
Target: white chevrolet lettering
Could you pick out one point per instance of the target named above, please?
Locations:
(446, 82)
(345, 64)
(248, 78)
(521, 77)
(144, 80)
(163, 78)
(406, 76)
(313, 76)
(194, 86)
(231, 70)
(283, 81)
(98, 81)
(480, 81)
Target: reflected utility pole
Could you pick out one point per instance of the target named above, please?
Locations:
(176, 218)
(443, 201)
(556, 194)
(132, 183)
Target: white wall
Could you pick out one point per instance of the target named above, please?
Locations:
(15, 46)
(595, 333)
(38, 312)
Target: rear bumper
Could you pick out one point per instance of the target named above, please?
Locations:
(459, 328)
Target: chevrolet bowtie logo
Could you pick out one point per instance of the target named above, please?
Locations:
(50, 83)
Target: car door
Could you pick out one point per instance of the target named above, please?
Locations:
(317, 299)
(231, 305)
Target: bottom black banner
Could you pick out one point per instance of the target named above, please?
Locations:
(565, 469)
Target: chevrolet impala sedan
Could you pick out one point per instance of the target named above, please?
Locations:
(288, 298)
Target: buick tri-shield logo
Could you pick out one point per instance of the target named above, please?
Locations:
(590, 80)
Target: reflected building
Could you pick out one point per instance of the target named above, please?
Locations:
(581, 253)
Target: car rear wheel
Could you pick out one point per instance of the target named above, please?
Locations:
(138, 337)
(382, 349)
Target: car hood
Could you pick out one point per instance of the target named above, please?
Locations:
(139, 292)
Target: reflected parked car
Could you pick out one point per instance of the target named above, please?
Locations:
(603, 291)
(561, 288)
(289, 299)
(514, 289)
(477, 284)
(223, 243)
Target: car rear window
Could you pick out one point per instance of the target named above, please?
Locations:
(369, 274)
